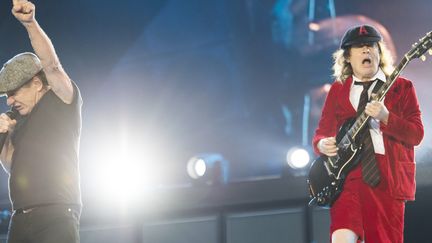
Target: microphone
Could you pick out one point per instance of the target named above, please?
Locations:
(12, 114)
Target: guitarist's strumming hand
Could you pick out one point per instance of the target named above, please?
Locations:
(328, 146)
(377, 110)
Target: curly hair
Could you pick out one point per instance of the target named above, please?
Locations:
(342, 69)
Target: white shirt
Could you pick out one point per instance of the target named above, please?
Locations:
(374, 124)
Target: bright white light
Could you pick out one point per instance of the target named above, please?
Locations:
(205, 164)
(196, 167)
(314, 26)
(298, 158)
(125, 171)
(123, 179)
(200, 167)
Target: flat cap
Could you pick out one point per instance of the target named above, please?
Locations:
(360, 34)
(18, 71)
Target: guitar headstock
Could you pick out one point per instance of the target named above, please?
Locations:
(418, 49)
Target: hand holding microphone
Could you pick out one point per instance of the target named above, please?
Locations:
(7, 124)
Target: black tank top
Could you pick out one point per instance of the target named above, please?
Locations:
(44, 166)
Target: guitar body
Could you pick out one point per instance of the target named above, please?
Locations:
(327, 174)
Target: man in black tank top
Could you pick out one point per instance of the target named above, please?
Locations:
(42, 134)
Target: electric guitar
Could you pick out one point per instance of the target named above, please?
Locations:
(327, 174)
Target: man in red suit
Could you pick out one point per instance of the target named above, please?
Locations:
(372, 203)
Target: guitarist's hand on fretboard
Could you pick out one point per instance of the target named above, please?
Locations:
(377, 110)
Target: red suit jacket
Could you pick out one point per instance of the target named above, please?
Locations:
(403, 131)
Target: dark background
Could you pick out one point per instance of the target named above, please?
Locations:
(164, 80)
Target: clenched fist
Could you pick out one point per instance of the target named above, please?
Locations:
(24, 11)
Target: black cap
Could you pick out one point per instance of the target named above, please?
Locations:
(360, 34)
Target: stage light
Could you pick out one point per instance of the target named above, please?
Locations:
(210, 168)
(298, 158)
(126, 171)
(314, 26)
(196, 167)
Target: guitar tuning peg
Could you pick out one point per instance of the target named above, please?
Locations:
(423, 58)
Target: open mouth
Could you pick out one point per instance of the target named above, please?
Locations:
(367, 60)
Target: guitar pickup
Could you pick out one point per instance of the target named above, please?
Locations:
(326, 165)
